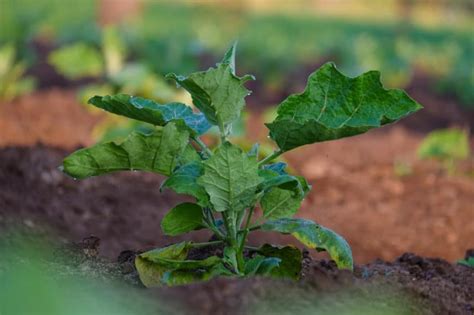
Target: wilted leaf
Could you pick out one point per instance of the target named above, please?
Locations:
(314, 236)
(230, 178)
(157, 152)
(334, 106)
(151, 112)
(181, 219)
(168, 266)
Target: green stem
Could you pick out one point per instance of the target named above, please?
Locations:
(202, 145)
(246, 230)
(211, 223)
(230, 223)
(269, 158)
(205, 244)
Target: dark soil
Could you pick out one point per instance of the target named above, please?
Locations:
(409, 285)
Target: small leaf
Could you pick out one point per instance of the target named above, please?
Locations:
(260, 265)
(151, 112)
(253, 152)
(314, 236)
(217, 92)
(230, 258)
(291, 260)
(157, 152)
(278, 167)
(230, 178)
(280, 203)
(334, 106)
(229, 57)
(184, 181)
(183, 218)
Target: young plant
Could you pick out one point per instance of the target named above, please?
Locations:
(448, 146)
(12, 80)
(229, 185)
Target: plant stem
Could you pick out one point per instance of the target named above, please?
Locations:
(211, 223)
(269, 158)
(246, 230)
(202, 145)
(205, 244)
(230, 223)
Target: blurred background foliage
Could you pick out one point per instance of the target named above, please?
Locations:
(127, 46)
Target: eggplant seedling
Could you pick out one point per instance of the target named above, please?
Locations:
(230, 186)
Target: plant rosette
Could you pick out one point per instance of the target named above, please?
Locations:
(230, 185)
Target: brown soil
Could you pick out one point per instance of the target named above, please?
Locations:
(51, 117)
(356, 191)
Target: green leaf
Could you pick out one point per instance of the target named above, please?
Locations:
(229, 57)
(280, 203)
(182, 277)
(77, 61)
(181, 219)
(253, 152)
(217, 92)
(151, 112)
(183, 180)
(314, 236)
(230, 258)
(168, 266)
(278, 167)
(157, 152)
(260, 265)
(291, 260)
(445, 144)
(283, 193)
(230, 178)
(469, 262)
(334, 106)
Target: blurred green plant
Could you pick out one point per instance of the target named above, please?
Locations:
(37, 279)
(12, 80)
(447, 146)
(469, 261)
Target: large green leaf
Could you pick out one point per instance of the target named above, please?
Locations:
(151, 112)
(157, 152)
(334, 106)
(280, 203)
(217, 92)
(230, 178)
(183, 218)
(291, 260)
(168, 266)
(184, 181)
(314, 236)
